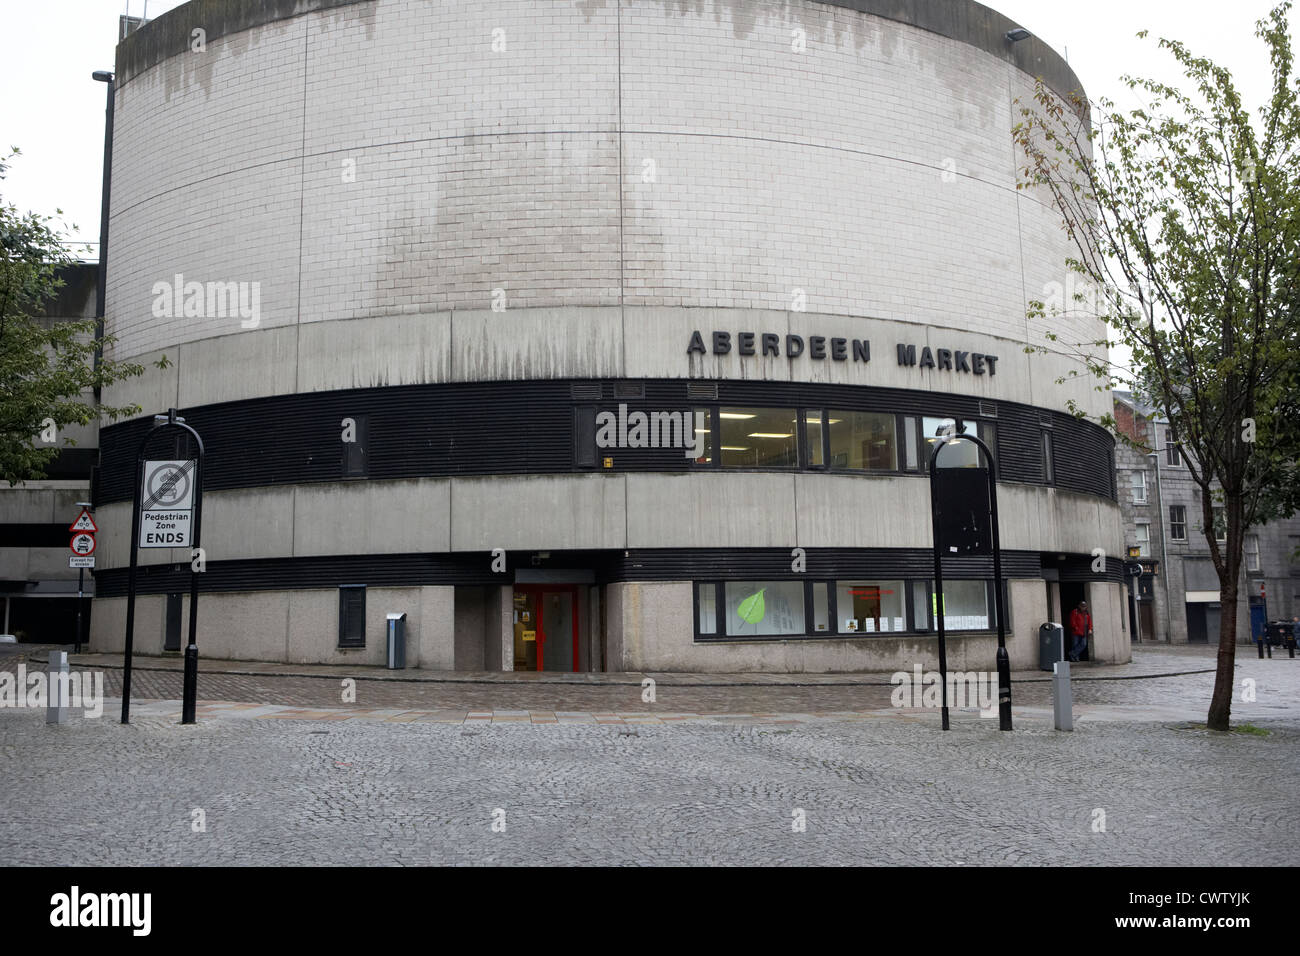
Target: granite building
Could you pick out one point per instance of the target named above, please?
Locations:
(1176, 600)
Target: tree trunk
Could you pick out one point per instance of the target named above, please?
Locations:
(1224, 677)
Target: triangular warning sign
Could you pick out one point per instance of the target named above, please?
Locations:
(84, 522)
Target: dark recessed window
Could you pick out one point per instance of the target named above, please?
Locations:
(584, 436)
(352, 615)
(356, 446)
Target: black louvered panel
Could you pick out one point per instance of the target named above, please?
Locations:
(473, 568)
(486, 428)
(1078, 568)
(1019, 444)
(671, 564)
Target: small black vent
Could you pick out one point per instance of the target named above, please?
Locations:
(1045, 419)
(586, 392)
(988, 410)
(704, 390)
(629, 389)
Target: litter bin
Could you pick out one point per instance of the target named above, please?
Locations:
(396, 641)
(1051, 645)
(1278, 633)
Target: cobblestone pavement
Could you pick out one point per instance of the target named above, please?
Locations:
(875, 791)
(424, 781)
(1101, 692)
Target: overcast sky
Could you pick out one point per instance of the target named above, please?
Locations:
(52, 109)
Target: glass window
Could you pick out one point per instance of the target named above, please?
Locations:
(910, 442)
(1220, 524)
(708, 603)
(1172, 456)
(870, 607)
(1252, 552)
(759, 608)
(1139, 479)
(965, 606)
(1144, 539)
(759, 438)
(704, 433)
(821, 606)
(863, 441)
(1178, 522)
(1049, 468)
(813, 421)
(920, 606)
(963, 454)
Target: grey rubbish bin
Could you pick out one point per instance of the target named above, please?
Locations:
(1051, 645)
(396, 641)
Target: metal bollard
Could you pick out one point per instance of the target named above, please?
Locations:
(1062, 699)
(1261, 649)
(56, 705)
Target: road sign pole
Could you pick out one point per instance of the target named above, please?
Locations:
(1003, 659)
(190, 680)
(937, 604)
(130, 580)
(81, 588)
(190, 690)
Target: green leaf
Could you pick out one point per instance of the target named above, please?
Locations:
(752, 609)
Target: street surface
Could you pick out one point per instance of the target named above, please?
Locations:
(718, 770)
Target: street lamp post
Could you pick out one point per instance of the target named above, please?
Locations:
(104, 76)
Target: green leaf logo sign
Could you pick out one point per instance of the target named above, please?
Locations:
(752, 609)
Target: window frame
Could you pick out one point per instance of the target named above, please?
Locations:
(900, 452)
(1144, 550)
(1138, 472)
(345, 590)
(1173, 449)
(1248, 554)
(830, 584)
(1175, 524)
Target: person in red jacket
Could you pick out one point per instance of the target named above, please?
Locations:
(1080, 630)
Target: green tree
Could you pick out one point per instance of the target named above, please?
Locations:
(46, 367)
(1185, 217)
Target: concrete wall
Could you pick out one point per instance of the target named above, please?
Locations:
(471, 628)
(627, 510)
(612, 167)
(290, 626)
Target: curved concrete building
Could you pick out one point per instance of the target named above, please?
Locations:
(593, 335)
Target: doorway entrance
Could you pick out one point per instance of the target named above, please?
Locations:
(1072, 592)
(546, 627)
